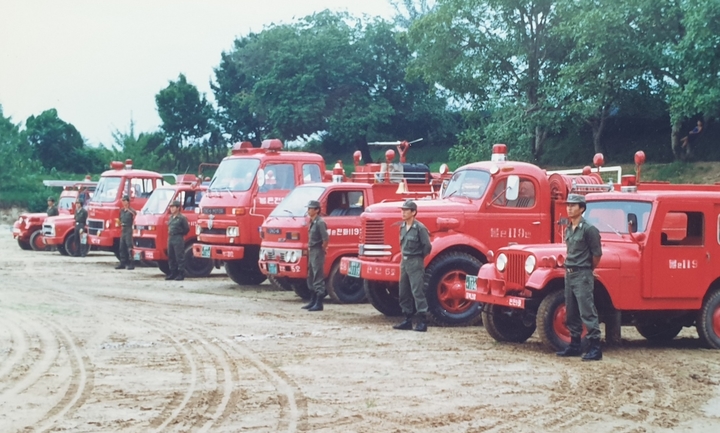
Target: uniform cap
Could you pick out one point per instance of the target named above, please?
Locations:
(576, 198)
(52, 199)
(175, 203)
(126, 198)
(409, 204)
(313, 204)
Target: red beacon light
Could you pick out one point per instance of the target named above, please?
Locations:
(128, 164)
(117, 165)
(499, 153)
(389, 156)
(357, 157)
(338, 172)
(272, 145)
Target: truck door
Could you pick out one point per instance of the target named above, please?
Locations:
(342, 210)
(680, 260)
(519, 220)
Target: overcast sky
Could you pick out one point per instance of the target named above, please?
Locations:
(100, 63)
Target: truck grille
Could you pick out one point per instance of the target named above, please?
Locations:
(144, 243)
(213, 210)
(207, 231)
(373, 232)
(515, 271)
(94, 227)
(48, 230)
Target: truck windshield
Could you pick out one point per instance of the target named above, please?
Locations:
(107, 189)
(295, 204)
(158, 201)
(235, 175)
(66, 203)
(468, 183)
(613, 216)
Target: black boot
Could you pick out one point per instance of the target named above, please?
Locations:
(313, 300)
(131, 265)
(574, 349)
(594, 353)
(121, 265)
(171, 275)
(318, 305)
(406, 324)
(421, 325)
(180, 276)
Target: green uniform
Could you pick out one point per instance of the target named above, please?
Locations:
(178, 227)
(317, 235)
(126, 243)
(52, 211)
(583, 243)
(80, 223)
(415, 246)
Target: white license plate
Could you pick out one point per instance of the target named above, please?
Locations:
(205, 253)
(354, 269)
(470, 282)
(137, 256)
(273, 268)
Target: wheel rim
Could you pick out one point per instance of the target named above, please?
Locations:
(716, 321)
(451, 292)
(39, 245)
(561, 330)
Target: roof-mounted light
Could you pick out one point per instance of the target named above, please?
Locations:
(499, 153)
(128, 164)
(273, 145)
(117, 165)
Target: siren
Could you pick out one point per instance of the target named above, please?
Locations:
(499, 153)
(338, 173)
(116, 165)
(128, 164)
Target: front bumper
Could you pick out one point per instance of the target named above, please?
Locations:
(219, 252)
(372, 271)
(281, 269)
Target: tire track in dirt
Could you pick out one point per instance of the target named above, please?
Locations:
(18, 347)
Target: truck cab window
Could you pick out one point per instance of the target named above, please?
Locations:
(344, 203)
(683, 228)
(279, 177)
(311, 173)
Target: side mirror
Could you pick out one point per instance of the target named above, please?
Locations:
(261, 177)
(513, 188)
(632, 223)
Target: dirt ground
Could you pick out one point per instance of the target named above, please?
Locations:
(86, 348)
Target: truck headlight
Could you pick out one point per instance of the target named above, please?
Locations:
(293, 257)
(530, 263)
(232, 232)
(501, 262)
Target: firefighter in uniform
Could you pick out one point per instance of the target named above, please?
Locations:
(583, 255)
(178, 227)
(415, 246)
(317, 246)
(80, 216)
(127, 216)
(52, 210)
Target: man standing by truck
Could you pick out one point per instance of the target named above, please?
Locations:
(127, 216)
(317, 246)
(583, 255)
(52, 210)
(81, 216)
(415, 246)
(178, 227)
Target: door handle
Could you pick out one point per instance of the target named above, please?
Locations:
(536, 223)
(708, 256)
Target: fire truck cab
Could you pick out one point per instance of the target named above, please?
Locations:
(485, 206)
(104, 207)
(659, 271)
(150, 233)
(246, 187)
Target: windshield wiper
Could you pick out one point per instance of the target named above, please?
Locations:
(613, 229)
(290, 212)
(230, 191)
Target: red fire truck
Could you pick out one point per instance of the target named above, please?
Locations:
(486, 205)
(283, 252)
(28, 229)
(150, 235)
(246, 187)
(104, 207)
(659, 270)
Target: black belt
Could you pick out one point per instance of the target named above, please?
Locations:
(411, 256)
(573, 269)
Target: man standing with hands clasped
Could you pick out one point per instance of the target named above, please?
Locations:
(317, 246)
(127, 216)
(80, 216)
(415, 246)
(583, 255)
(178, 227)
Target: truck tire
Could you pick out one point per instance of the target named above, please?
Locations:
(280, 283)
(551, 322)
(61, 249)
(164, 266)
(506, 324)
(36, 241)
(244, 275)
(344, 289)
(24, 245)
(708, 321)
(301, 288)
(71, 244)
(659, 331)
(445, 289)
(196, 267)
(383, 296)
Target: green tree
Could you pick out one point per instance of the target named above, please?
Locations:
(491, 54)
(55, 142)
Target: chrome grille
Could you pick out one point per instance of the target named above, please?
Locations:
(207, 231)
(373, 232)
(95, 227)
(48, 230)
(144, 243)
(515, 270)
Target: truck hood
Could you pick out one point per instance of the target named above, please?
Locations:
(611, 258)
(55, 219)
(148, 219)
(226, 199)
